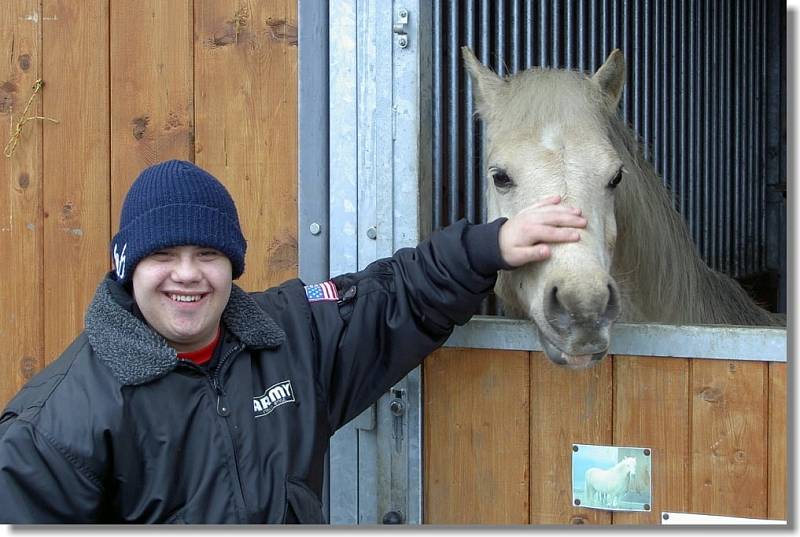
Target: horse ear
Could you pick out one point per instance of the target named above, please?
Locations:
(485, 82)
(611, 76)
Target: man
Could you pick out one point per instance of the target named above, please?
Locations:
(187, 400)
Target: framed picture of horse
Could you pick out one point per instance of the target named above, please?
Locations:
(611, 478)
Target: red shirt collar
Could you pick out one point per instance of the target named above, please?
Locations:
(201, 356)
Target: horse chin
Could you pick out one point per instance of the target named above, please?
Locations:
(572, 361)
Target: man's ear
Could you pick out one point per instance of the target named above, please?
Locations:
(611, 76)
(485, 83)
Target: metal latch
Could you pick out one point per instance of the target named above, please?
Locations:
(396, 498)
(399, 27)
(398, 409)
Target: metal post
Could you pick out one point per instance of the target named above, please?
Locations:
(379, 150)
(312, 148)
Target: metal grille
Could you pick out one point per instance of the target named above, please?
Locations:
(696, 94)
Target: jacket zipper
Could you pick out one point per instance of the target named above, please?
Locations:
(213, 379)
(223, 411)
(222, 407)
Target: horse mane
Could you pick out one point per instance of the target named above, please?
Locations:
(656, 263)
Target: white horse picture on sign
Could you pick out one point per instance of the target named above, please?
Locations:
(611, 478)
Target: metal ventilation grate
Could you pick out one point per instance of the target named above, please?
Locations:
(697, 94)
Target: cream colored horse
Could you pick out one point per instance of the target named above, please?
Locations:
(557, 132)
(607, 487)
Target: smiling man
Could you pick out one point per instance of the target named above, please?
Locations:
(188, 400)
(182, 291)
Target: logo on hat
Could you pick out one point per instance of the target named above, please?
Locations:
(119, 261)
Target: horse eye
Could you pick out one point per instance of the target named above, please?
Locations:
(501, 179)
(616, 180)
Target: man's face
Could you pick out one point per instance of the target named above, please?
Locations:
(182, 292)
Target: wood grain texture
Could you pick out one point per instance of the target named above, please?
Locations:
(152, 111)
(75, 163)
(476, 437)
(651, 410)
(21, 328)
(246, 123)
(729, 438)
(567, 407)
(777, 493)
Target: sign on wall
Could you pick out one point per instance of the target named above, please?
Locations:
(611, 478)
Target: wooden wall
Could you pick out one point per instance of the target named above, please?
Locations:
(131, 83)
(499, 426)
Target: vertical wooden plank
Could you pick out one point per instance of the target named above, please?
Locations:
(476, 437)
(567, 407)
(651, 410)
(76, 163)
(20, 200)
(152, 113)
(729, 438)
(246, 132)
(778, 443)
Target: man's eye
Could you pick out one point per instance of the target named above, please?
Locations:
(209, 253)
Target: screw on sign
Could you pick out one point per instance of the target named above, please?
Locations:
(393, 517)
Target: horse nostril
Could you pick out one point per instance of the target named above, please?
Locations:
(612, 308)
(557, 312)
(566, 309)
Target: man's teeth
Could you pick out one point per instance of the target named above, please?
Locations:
(185, 298)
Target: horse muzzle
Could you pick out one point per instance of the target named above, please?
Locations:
(573, 361)
(578, 320)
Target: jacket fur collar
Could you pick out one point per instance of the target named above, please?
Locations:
(137, 354)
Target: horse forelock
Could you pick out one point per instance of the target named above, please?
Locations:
(552, 122)
(546, 97)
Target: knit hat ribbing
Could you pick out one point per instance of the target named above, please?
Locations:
(176, 203)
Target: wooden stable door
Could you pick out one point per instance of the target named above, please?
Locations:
(499, 427)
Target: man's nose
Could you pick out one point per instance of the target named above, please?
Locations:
(186, 269)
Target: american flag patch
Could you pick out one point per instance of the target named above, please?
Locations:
(322, 291)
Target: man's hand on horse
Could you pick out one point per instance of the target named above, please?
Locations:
(524, 238)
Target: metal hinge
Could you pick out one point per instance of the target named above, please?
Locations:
(366, 420)
(400, 26)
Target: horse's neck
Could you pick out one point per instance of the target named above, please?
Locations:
(656, 264)
(620, 468)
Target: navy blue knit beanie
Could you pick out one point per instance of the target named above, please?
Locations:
(175, 203)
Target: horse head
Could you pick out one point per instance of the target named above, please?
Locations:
(630, 465)
(546, 133)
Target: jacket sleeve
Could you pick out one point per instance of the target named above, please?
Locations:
(39, 484)
(400, 309)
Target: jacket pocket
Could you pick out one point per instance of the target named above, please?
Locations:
(302, 505)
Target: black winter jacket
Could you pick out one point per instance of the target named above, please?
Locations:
(119, 430)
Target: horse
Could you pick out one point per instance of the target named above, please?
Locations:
(553, 131)
(607, 487)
